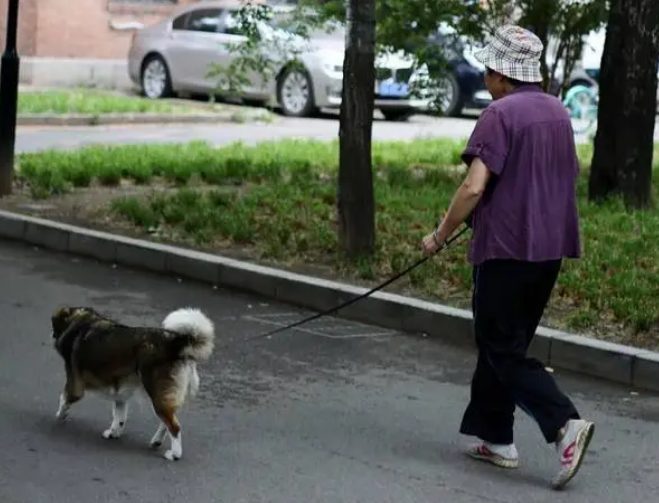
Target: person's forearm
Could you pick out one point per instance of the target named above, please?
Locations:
(463, 204)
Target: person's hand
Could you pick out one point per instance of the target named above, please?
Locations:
(431, 244)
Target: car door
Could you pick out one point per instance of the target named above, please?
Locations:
(232, 35)
(195, 47)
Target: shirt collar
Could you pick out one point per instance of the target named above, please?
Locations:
(528, 87)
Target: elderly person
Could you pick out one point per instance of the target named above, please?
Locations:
(520, 195)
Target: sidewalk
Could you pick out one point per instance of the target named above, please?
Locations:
(333, 412)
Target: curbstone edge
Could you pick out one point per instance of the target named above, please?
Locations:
(12, 226)
(193, 266)
(94, 246)
(127, 119)
(645, 373)
(146, 257)
(54, 237)
(596, 358)
(613, 362)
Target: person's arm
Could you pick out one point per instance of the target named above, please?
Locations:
(485, 155)
(465, 199)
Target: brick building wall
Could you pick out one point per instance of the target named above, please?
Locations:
(27, 21)
(81, 28)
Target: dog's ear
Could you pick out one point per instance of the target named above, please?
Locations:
(60, 321)
(78, 323)
(64, 317)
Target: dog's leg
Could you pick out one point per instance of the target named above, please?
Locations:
(167, 396)
(169, 419)
(66, 400)
(119, 417)
(74, 390)
(159, 436)
(64, 406)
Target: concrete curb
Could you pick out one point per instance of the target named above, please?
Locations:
(127, 119)
(614, 362)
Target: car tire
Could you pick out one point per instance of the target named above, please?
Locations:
(295, 93)
(155, 79)
(455, 101)
(397, 115)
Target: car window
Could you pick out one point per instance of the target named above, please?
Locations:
(206, 20)
(286, 21)
(231, 24)
(179, 22)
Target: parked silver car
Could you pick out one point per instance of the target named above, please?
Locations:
(176, 54)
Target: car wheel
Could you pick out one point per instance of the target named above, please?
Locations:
(397, 115)
(156, 81)
(451, 101)
(295, 93)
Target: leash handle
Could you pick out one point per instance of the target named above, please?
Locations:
(333, 310)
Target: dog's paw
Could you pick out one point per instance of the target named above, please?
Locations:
(155, 444)
(63, 408)
(111, 434)
(172, 456)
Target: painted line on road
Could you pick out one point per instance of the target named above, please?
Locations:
(317, 330)
(321, 334)
(331, 322)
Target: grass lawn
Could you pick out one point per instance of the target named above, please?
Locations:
(275, 203)
(94, 102)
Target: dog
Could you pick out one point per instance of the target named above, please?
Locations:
(115, 360)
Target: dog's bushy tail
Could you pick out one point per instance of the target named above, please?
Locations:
(197, 327)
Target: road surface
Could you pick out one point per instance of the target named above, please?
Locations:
(335, 412)
(34, 138)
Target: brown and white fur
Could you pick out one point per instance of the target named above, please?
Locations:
(115, 360)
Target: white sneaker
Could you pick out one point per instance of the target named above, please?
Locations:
(576, 435)
(503, 456)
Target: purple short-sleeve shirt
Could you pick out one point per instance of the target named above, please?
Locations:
(529, 210)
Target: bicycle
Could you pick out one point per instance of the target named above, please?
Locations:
(581, 103)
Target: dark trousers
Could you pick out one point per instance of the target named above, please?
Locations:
(509, 298)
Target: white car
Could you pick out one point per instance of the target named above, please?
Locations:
(176, 54)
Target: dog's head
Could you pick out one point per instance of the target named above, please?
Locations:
(65, 317)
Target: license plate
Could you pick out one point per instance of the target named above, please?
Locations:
(394, 89)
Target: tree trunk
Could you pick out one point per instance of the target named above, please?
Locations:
(355, 201)
(622, 160)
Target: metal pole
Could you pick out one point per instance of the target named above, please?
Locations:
(8, 100)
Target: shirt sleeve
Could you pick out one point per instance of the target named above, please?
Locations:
(488, 141)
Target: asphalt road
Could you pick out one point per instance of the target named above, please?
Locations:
(33, 138)
(333, 412)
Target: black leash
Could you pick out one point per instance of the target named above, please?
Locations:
(333, 310)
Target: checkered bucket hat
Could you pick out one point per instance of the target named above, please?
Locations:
(513, 52)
